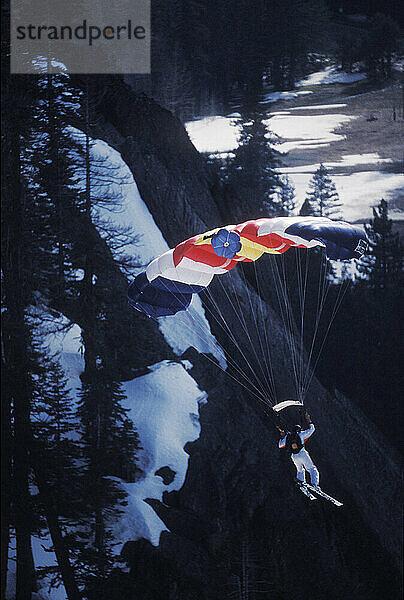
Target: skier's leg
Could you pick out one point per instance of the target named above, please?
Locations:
(300, 472)
(311, 468)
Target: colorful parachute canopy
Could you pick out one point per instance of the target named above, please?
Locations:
(167, 284)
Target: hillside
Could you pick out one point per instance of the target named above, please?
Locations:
(237, 483)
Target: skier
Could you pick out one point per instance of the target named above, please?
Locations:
(294, 442)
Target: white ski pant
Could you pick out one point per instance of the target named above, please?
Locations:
(303, 463)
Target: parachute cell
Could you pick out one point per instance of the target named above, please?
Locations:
(167, 284)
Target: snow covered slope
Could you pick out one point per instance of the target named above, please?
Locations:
(181, 331)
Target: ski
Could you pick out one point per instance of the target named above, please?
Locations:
(306, 492)
(320, 492)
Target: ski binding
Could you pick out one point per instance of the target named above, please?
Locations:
(306, 491)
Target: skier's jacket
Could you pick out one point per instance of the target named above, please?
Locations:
(298, 438)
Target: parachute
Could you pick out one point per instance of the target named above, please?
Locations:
(168, 283)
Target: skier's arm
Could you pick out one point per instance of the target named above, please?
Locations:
(306, 433)
(282, 441)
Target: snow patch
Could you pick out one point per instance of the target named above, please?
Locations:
(42, 558)
(214, 134)
(164, 408)
(221, 134)
(190, 328)
(147, 245)
(275, 96)
(318, 107)
(62, 339)
(330, 75)
(349, 160)
(302, 130)
(358, 192)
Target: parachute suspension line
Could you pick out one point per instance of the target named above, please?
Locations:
(230, 333)
(226, 372)
(248, 388)
(324, 285)
(344, 286)
(260, 396)
(264, 347)
(341, 240)
(267, 355)
(233, 363)
(265, 380)
(206, 337)
(254, 315)
(277, 281)
(285, 310)
(302, 285)
(292, 328)
(240, 316)
(202, 330)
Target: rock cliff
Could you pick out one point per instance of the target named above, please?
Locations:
(238, 526)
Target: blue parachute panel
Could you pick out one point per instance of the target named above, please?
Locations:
(342, 240)
(160, 297)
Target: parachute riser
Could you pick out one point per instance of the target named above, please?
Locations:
(294, 415)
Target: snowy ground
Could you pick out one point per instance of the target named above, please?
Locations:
(164, 403)
(349, 160)
(63, 340)
(164, 407)
(316, 107)
(330, 75)
(275, 96)
(313, 127)
(358, 191)
(220, 134)
(309, 131)
(214, 134)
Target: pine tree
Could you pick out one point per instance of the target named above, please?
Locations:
(322, 199)
(59, 234)
(55, 456)
(382, 264)
(108, 438)
(50, 172)
(286, 198)
(19, 99)
(252, 170)
(54, 427)
(109, 445)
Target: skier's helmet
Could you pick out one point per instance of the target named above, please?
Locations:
(297, 429)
